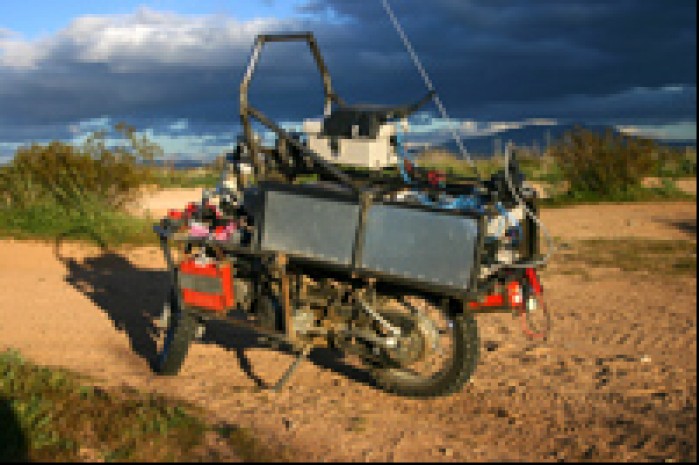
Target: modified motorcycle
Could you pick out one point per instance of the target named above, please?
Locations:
(334, 237)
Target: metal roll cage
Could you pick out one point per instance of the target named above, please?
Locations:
(310, 158)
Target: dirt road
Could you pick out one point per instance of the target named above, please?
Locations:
(617, 381)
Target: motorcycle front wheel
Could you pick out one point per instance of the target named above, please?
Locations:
(180, 330)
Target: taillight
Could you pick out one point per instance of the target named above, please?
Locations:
(514, 292)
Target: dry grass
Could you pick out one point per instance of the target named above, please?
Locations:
(656, 256)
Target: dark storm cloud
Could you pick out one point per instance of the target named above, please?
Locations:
(583, 60)
(506, 54)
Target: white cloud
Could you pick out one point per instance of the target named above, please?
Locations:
(7, 151)
(139, 40)
(179, 125)
(500, 126)
(673, 88)
(10, 146)
(199, 146)
(17, 53)
(541, 122)
(686, 130)
(6, 33)
(90, 125)
(472, 128)
(469, 126)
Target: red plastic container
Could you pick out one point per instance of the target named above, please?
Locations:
(207, 286)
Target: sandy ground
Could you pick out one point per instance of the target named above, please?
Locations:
(159, 202)
(617, 380)
(672, 220)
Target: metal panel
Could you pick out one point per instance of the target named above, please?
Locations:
(421, 245)
(323, 229)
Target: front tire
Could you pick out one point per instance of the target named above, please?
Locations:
(460, 357)
(181, 330)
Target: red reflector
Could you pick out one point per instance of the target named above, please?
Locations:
(534, 281)
(492, 300)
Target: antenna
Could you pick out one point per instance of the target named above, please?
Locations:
(428, 83)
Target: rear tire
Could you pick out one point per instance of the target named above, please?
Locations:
(449, 378)
(180, 332)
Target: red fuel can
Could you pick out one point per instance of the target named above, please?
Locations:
(208, 286)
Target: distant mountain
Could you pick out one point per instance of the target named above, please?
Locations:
(537, 136)
(181, 163)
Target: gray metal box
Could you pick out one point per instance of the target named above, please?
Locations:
(309, 226)
(428, 246)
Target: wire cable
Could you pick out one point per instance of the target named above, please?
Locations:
(428, 83)
(457, 138)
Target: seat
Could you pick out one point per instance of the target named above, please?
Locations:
(349, 122)
(365, 120)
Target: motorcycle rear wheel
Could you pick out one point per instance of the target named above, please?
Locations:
(437, 354)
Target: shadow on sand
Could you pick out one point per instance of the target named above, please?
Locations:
(14, 446)
(686, 226)
(133, 298)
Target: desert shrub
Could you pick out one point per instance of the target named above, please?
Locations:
(676, 162)
(603, 165)
(63, 189)
(69, 175)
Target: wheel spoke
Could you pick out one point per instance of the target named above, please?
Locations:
(427, 348)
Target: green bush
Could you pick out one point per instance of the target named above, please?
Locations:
(79, 191)
(66, 174)
(606, 165)
(676, 162)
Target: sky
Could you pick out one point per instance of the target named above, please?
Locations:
(172, 68)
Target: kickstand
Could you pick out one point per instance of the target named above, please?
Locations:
(294, 366)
